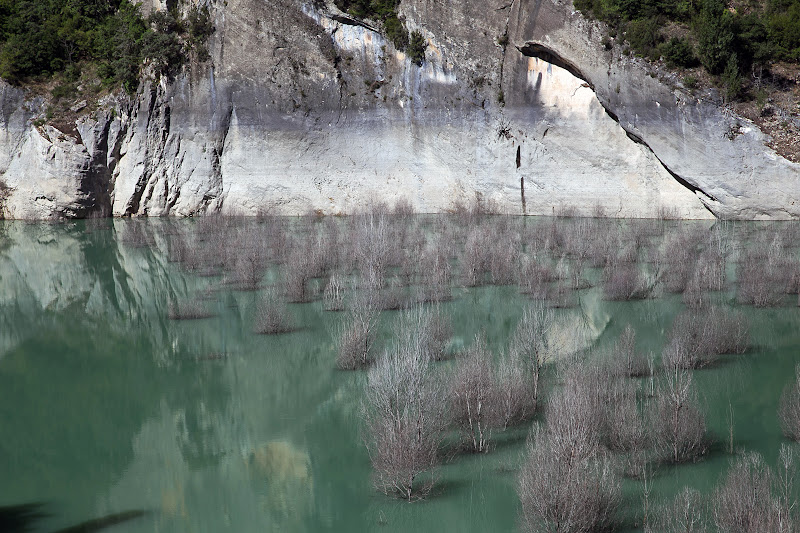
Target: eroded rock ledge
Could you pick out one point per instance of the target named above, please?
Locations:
(304, 108)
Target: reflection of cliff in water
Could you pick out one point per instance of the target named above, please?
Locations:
(156, 409)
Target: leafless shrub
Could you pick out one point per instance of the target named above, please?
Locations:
(598, 211)
(371, 243)
(358, 331)
(394, 296)
(622, 281)
(676, 354)
(603, 246)
(678, 256)
(686, 514)
(578, 237)
(275, 230)
(514, 395)
(576, 275)
(624, 428)
(555, 236)
(404, 422)
(436, 333)
(468, 212)
(192, 309)
(410, 251)
(610, 410)
(333, 295)
(404, 241)
(568, 494)
(680, 426)
(561, 295)
(530, 344)
(329, 245)
(697, 340)
(577, 412)
(305, 261)
(710, 270)
(789, 408)
(629, 362)
(744, 503)
(491, 249)
(473, 397)
(785, 491)
(476, 260)
(272, 315)
(191, 249)
(249, 262)
(434, 271)
(694, 297)
(504, 260)
(534, 279)
(764, 275)
(566, 211)
(566, 484)
(403, 208)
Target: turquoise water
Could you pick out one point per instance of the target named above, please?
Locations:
(109, 406)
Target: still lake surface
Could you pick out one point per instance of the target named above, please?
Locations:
(107, 405)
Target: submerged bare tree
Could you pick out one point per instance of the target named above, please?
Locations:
(358, 331)
(785, 489)
(744, 504)
(567, 484)
(514, 396)
(624, 426)
(686, 514)
(623, 281)
(433, 268)
(628, 361)
(764, 275)
(404, 419)
(272, 315)
(306, 261)
(789, 408)
(680, 426)
(333, 295)
(473, 398)
(371, 244)
(530, 345)
(696, 340)
(436, 331)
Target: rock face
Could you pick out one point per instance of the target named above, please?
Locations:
(302, 108)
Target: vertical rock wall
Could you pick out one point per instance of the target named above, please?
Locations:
(303, 108)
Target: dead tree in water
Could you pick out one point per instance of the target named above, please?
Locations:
(472, 394)
(743, 504)
(680, 426)
(404, 419)
(789, 408)
(566, 483)
(357, 333)
(530, 344)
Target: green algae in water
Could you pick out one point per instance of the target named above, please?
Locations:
(108, 405)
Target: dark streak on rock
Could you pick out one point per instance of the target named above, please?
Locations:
(540, 51)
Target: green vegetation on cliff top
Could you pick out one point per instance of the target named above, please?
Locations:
(40, 38)
(733, 40)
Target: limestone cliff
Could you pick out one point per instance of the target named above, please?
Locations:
(301, 107)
